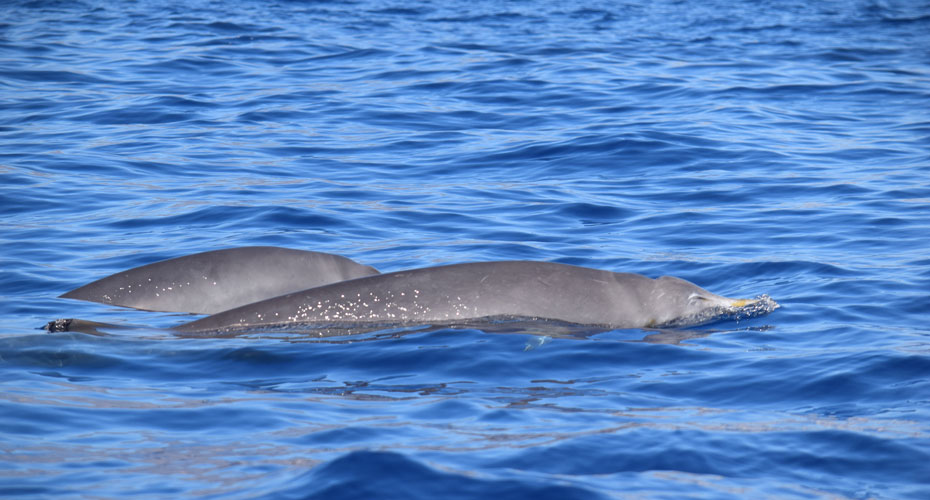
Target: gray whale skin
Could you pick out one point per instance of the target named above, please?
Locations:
(508, 289)
(210, 282)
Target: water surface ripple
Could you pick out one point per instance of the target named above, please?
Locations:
(749, 147)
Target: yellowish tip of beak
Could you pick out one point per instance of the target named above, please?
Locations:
(742, 302)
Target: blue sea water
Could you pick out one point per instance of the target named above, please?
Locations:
(778, 147)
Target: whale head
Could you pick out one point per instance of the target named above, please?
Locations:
(685, 304)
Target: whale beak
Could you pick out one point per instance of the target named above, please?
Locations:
(762, 304)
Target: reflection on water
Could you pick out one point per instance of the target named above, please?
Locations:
(351, 333)
(314, 423)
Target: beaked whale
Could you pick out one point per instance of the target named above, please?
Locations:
(486, 290)
(257, 287)
(210, 282)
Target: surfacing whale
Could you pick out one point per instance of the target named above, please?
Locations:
(210, 282)
(488, 290)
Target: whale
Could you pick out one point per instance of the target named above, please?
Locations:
(219, 280)
(490, 291)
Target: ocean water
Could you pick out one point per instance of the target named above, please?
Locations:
(778, 147)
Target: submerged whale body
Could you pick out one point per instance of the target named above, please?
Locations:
(257, 287)
(210, 282)
(510, 289)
